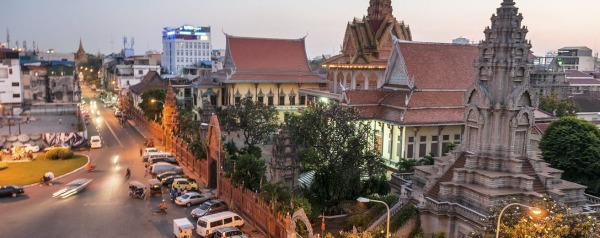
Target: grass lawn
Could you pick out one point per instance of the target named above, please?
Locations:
(25, 173)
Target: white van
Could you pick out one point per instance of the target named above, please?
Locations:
(162, 167)
(147, 151)
(207, 225)
(95, 142)
(168, 156)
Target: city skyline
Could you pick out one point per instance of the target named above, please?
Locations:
(101, 25)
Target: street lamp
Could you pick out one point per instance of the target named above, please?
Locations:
(154, 100)
(387, 230)
(219, 155)
(534, 210)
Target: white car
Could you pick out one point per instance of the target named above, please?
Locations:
(95, 142)
(32, 148)
(192, 198)
(72, 188)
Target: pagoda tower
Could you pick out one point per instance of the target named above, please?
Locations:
(494, 162)
(80, 57)
(283, 166)
(170, 118)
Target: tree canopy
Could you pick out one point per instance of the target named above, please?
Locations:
(573, 145)
(334, 143)
(152, 110)
(558, 107)
(554, 221)
(256, 120)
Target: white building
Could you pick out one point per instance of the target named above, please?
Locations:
(577, 58)
(185, 46)
(11, 90)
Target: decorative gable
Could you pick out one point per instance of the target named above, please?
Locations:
(396, 73)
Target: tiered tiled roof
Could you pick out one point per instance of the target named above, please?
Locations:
(152, 80)
(266, 60)
(588, 101)
(441, 73)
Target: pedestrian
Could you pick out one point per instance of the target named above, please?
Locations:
(60, 121)
(141, 151)
(128, 173)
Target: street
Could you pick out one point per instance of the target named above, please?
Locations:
(104, 208)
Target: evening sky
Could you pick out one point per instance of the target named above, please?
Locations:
(102, 24)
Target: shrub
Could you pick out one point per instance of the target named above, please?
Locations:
(405, 214)
(358, 221)
(3, 165)
(59, 153)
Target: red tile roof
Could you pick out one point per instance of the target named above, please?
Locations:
(437, 99)
(435, 116)
(439, 66)
(575, 74)
(151, 81)
(262, 59)
(579, 81)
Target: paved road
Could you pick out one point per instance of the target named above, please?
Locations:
(104, 209)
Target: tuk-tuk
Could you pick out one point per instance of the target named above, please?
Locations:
(155, 187)
(182, 228)
(137, 189)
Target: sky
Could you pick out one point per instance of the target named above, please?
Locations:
(102, 24)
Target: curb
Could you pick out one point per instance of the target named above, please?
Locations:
(64, 175)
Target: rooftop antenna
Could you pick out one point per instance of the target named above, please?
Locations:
(7, 38)
(124, 42)
(132, 42)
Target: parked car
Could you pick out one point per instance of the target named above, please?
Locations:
(161, 176)
(229, 232)
(162, 167)
(147, 152)
(168, 180)
(156, 160)
(11, 190)
(185, 184)
(72, 188)
(193, 198)
(207, 225)
(32, 148)
(210, 207)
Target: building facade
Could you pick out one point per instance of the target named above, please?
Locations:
(185, 46)
(11, 89)
(577, 58)
(269, 71)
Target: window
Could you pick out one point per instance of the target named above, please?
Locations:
(457, 139)
(227, 220)
(399, 145)
(15, 84)
(302, 100)
(140, 71)
(260, 99)
(16, 95)
(10, 71)
(237, 100)
(216, 223)
(422, 146)
(237, 218)
(292, 100)
(270, 99)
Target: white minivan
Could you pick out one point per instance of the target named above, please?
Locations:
(95, 142)
(207, 225)
(168, 156)
(147, 152)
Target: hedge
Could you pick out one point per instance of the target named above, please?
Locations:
(59, 153)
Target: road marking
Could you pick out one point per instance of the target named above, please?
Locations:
(113, 133)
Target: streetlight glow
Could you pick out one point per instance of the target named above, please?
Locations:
(534, 210)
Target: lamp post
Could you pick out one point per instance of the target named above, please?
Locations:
(534, 210)
(387, 230)
(219, 155)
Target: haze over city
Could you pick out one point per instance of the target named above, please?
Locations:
(102, 24)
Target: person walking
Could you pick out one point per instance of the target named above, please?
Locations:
(141, 151)
(128, 173)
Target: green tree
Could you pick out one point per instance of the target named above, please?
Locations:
(250, 171)
(153, 110)
(256, 120)
(336, 145)
(558, 107)
(573, 145)
(555, 221)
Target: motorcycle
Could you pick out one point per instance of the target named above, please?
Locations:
(116, 159)
(90, 167)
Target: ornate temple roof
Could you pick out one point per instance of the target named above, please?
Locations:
(367, 41)
(152, 80)
(266, 60)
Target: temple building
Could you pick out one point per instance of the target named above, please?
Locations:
(80, 57)
(269, 71)
(495, 161)
(366, 48)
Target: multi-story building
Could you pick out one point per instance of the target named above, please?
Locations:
(11, 90)
(132, 70)
(185, 46)
(460, 41)
(576, 58)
